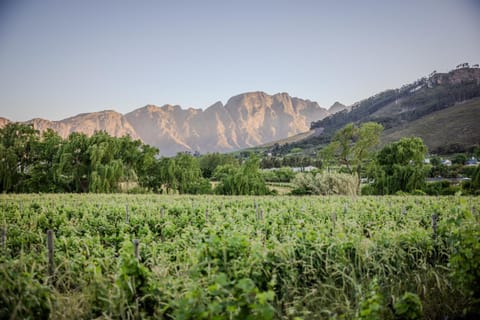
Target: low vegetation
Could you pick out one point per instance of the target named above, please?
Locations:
(207, 257)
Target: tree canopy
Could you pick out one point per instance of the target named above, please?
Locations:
(399, 166)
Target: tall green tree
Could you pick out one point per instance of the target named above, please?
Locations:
(106, 165)
(74, 163)
(210, 161)
(17, 153)
(400, 166)
(182, 174)
(43, 171)
(244, 180)
(353, 146)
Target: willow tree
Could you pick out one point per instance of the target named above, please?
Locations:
(399, 166)
(243, 180)
(74, 163)
(17, 154)
(106, 165)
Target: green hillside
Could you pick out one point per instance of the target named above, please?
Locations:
(449, 130)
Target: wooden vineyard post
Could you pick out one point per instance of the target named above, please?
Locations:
(334, 220)
(136, 249)
(127, 218)
(260, 216)
(162, 213)
(434, 224)
(4, 239)
(404, 211)
(256, 207)
(50, 253)
(206, 215)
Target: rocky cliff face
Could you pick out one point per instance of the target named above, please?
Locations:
(246, 120)
(112, 122)
(3, 122)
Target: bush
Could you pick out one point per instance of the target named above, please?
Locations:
(326, 183)
(408, 307)
(367, 190)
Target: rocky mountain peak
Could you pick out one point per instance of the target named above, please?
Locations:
(337, 107)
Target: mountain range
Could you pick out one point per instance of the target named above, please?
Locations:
(246, 120)
(443, 109)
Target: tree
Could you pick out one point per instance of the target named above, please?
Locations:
(106, 166)
(17, 153)
(43, 171)
(209, 162)
(182, 174)
(74, 163)
(400, 166)
(353, 145)
(244, 180)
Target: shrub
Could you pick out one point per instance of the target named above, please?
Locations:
(326, 183)
(408, 307)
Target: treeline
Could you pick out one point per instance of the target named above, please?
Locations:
(34, 162)
(31, 161)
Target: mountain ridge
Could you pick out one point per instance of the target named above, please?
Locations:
(246, 120)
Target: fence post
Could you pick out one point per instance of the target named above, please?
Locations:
(136, 249)
(334, 220)
(50, 253)
(4, 239)
(434, 224)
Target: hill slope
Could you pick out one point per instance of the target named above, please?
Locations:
(410, 102)
(449, 130)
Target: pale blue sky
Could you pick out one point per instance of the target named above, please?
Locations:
(60, 58)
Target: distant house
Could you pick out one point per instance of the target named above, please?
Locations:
(471, 162)
(426, 161)
(303, 169)
(446, 163)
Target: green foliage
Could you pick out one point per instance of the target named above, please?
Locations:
(352, 145)
(21, 295)
(210, 161)
(408, 307)
(473, 186)
(244, 180)
(326, 183)
(284, 174)
(372, 304)
(17, 145)
(465, 260)
(182, 174)
(249, 258)
(399, 167)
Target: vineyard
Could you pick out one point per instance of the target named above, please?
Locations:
(216, 257)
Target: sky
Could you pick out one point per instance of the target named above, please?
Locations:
(60, 58)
